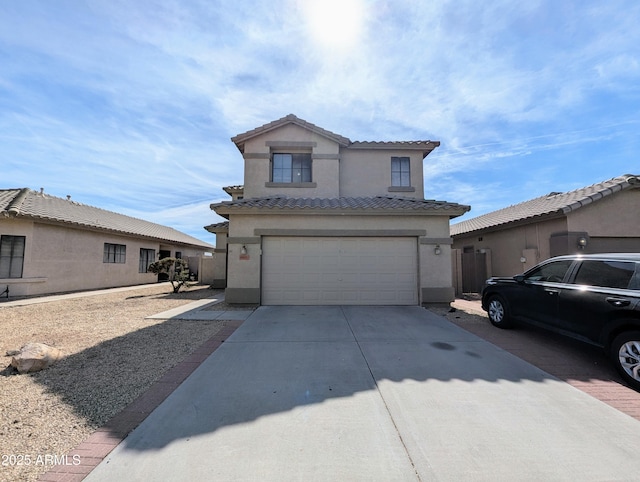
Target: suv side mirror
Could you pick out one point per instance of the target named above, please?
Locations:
(519, 278)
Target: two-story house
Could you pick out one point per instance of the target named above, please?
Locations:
(324, 220)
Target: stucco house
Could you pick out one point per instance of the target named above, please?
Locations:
(321, 219)
(603, 217)
(52, 245)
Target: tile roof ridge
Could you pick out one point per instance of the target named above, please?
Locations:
(15, 205)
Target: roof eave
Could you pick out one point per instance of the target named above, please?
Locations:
(511, 224)
(451, 212)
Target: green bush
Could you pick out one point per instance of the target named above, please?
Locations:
(176, 268)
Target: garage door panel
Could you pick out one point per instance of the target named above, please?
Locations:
(339, 270)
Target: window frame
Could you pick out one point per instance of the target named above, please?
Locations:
(282, 173)
(400, 171)
(9, 263)
(117, 255)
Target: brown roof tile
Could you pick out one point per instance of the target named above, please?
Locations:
(26, 203)
(553, 203)
(378, 204)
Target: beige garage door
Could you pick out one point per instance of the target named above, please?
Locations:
(335, 271)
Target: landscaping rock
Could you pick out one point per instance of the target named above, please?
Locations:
(34, 357)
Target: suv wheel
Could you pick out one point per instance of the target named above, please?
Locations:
(625, 353)
(499, 313)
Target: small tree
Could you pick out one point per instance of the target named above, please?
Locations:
(176, 268)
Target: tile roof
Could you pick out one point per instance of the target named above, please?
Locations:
(218, 227)
(289, 119)
(38, 206)
(555, 203)
(378, 205)
(426, 146)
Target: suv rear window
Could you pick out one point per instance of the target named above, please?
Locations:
(610, 274)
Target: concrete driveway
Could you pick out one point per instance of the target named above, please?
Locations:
(372, 393)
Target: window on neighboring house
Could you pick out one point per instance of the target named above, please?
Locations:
(11, 256)
(291, 168)
(114, 253)
(400, 173)
(178, 254)
(147, 256)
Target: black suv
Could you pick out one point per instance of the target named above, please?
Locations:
(594, 298)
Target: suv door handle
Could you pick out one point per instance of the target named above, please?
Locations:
(552, 292)
(619, 302)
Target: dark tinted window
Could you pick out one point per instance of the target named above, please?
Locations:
(553, 271)
(610, 274)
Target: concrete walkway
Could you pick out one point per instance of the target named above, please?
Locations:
(70, 296)
(372, 393)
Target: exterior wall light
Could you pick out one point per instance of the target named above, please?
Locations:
(243, 250)
(437, 250)
(582, 242)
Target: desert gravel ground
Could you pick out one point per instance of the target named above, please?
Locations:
(113, 354)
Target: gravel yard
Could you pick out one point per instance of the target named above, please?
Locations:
(112, 355)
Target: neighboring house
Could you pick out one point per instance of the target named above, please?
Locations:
(324, 220)
(604, 217)
(52, 245)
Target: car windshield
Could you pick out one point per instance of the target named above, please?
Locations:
(552, 272)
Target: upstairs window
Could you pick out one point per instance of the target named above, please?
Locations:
(11, 256)
(400, 173)
(114, 253)
(291, 168)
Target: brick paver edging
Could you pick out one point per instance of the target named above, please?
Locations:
(100, 443)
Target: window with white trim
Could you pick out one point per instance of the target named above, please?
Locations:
(290, 168)
(400, 172)
(11, 256)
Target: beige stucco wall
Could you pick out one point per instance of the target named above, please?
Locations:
(612, 216)
(367, 172)
(324, 154)
(336, 171)
(508, 246)
(61, 259)
(243, 282)
(220, 262)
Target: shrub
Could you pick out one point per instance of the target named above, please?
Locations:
(176, 268)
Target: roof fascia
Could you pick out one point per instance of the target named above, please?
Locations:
(225, 211)
(425, 147)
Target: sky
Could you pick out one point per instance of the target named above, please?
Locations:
(130, 106)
